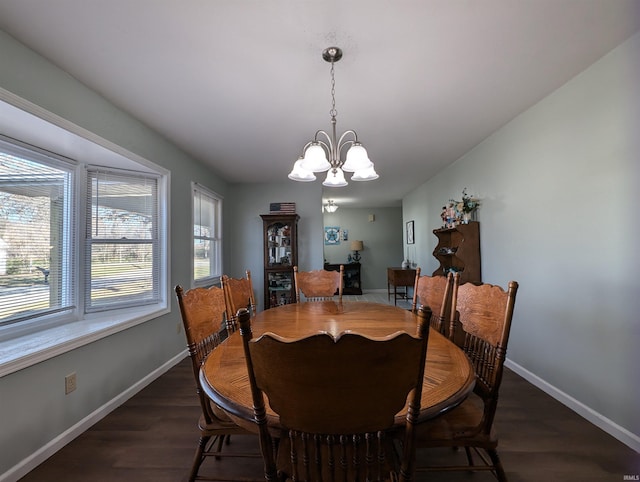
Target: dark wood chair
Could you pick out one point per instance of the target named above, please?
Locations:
(484, 314)
(203, 316)
(435, 292)
(318, 285)
(238, 294)
(336, 400)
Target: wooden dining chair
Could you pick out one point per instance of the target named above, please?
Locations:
(484, 314)
(203, 317)
(336, 399)
(435, 292)
(318, 285)
(238, 294)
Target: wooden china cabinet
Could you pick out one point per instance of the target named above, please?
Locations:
(280, 233)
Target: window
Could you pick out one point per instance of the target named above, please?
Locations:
(207, 236)
(83, 249)
(36, 228)
(122, 242)
(123, 264)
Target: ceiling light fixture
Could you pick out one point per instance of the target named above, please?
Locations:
(331, 207)
(324, 152)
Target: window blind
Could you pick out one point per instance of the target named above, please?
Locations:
(122, 259)
(207, 242)
(36, 226)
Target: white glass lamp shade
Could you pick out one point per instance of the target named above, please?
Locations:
(357, 159)
(298, 173)
(335, 178)
(368, 174)
(315, 159)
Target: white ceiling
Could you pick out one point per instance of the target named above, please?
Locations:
(241, 84)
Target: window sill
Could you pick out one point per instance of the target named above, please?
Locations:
(23, 351)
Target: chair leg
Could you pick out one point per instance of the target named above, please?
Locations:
(469, 456)
(197, 459)
(220, 442)
(499, 470)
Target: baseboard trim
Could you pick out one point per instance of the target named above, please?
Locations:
(622, 434)
(25, 466)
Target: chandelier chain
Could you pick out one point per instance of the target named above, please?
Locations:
(333, 112)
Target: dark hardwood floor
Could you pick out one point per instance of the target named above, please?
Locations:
(152, 437)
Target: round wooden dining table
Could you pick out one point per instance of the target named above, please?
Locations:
(448, 377)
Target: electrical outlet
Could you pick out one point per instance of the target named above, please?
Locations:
(70, 383)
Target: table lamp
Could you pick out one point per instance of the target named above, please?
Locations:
(356, 246)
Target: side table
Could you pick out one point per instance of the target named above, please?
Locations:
(400, 277)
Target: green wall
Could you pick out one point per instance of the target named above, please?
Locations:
(559, 187)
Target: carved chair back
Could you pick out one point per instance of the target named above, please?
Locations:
(435, 292)
(318, 285)
(238, 294)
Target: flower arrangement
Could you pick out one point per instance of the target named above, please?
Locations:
(457, 212)
(468, 203)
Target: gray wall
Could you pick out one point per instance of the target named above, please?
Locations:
(382, 240)
(559, 188)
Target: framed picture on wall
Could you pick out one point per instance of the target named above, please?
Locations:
(410, 238)
(331, 235)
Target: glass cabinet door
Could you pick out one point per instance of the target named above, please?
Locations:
(279, 239)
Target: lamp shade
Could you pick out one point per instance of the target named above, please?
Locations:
(335, 178)
(357, 245)
(357, 159)
(298, 173)
(368, 174)
(315, 158)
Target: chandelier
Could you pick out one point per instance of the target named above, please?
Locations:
(324, 152)
(331, 206)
